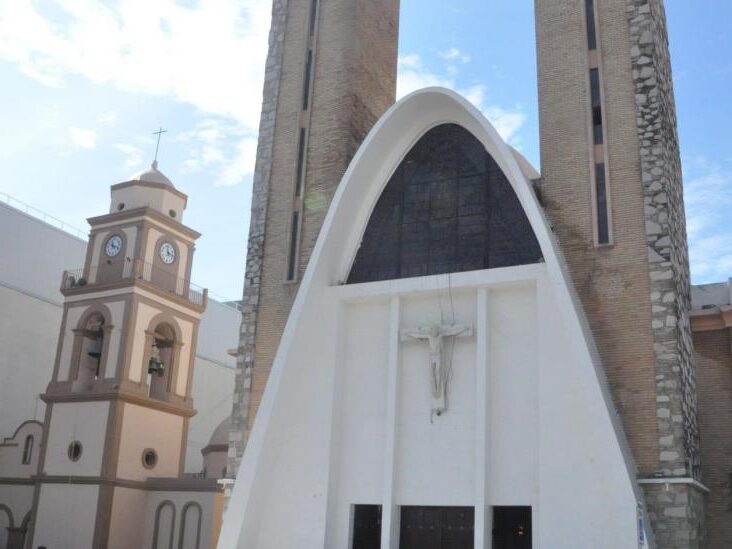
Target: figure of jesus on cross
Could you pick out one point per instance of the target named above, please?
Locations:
(439, 367)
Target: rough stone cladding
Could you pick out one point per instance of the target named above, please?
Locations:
(713, 361)
(668, 253)
(636, 291)
(354, 83)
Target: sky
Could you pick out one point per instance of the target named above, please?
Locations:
(84, 83)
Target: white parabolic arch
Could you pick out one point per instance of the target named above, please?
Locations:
(391, 139)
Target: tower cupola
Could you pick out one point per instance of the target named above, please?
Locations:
(150, 188)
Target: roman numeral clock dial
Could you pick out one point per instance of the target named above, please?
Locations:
(167, 253)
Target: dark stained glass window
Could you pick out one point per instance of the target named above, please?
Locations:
(448, 208)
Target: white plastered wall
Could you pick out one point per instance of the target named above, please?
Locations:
(128, 513)
(85, 422)
(29, 330)
(212, 398)
(61, 505)
(211, 507)
(291, 470)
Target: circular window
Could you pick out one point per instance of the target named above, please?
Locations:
(120, 206)
(149, 458)
(172, 213)
(74, 451)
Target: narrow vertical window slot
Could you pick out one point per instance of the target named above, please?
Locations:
(300, 176)
(313, 16)
(596, 97)
(292, 259)
(603, 226)
(308, 80)
(591, 27)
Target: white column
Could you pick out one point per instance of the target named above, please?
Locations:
(390, 511)
(483, 516)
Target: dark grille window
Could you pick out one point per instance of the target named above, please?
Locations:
(292, 258)
(448, 208)
(300, 162)
(603, 229)
(307, 80)
(596, 97)
(591, 29)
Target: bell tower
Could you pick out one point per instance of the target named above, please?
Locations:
(612, 186)
(119, 401)
(331, 73)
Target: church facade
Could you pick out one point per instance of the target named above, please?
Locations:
(475, 349)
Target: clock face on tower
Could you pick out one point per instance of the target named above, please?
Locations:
(113, 246)
(167, 253)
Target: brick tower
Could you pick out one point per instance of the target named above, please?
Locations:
(331, 73)
(612, 188)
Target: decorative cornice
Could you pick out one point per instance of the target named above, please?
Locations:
(151, 484)
(184, 409)
(118, 217)
(139, 282)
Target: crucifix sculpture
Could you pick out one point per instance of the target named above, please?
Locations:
(439, 367)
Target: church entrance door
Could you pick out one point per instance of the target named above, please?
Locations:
(437, 528)
(512, 528)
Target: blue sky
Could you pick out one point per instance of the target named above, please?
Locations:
(86, 82)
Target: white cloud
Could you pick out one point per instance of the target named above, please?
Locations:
(413, 76)
(223, 148)
(109, 118)
(454, 54)
(132, 154)
(147, 47)
(83, 138)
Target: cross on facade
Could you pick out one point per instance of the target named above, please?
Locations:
(159, 133)
(439, 367)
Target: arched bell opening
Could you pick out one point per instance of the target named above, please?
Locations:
(161, 361)
(92, 336)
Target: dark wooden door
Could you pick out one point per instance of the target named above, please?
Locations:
(367, 527)
(437, 528)
(512, 528)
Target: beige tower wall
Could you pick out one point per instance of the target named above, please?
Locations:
(353, 83)
(635, 290)
(612, 282)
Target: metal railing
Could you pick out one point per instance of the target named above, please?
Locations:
(38, 214)
(138, 270)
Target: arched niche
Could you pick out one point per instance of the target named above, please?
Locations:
(447, 208)
(91, 347)
(190, 526)
(164, 529)
(162, 356)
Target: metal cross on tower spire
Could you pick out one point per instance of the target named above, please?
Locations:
(159, 133)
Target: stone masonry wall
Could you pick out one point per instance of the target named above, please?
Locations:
(677, 515)
(255, 245)
(666, 235)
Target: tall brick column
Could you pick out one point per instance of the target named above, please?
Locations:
(331, 73)
(634, 287)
